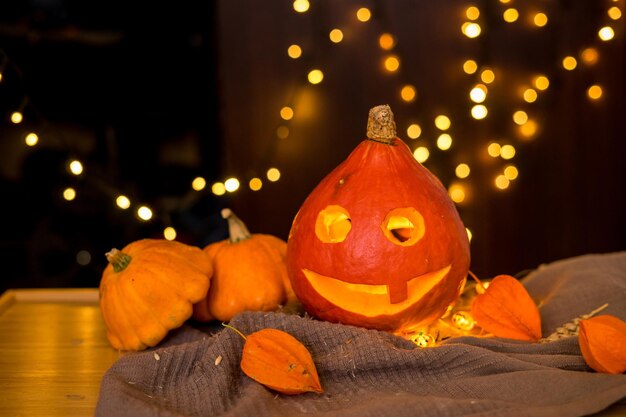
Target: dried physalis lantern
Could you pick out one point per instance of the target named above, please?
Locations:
(602, 341)
(378, 243)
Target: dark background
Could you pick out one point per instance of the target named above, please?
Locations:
(148, 96)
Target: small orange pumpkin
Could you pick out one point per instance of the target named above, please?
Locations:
(149, 288)
(249, 273)
(378, 243)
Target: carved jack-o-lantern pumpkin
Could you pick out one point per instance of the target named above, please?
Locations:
(378, 243)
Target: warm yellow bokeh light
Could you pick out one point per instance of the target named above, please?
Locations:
(387, 41)
(273, 174)
(69, 194)
(408, 93)
(442, 122)
(502, 182)
(471, 30)
(614, 13)
(255, 184)
(336, 35)
(541, 82)
(488, 76)
(421, 154)
(76, 167)
(511, 172)
(478, 94)
(17, 117)
(462, 170)
(301, 6)
(520, 117)
(218, 188)
(569, 63)
(529, 129)
(198, 183)
(31, 139)
(606, 33)
(363, 14)
(470, 66)
(282, 132)
(507, 152)
(294, 51)
(315, 76)
(493, 149)
(391, 63)
(589, 56)
(479, 112)
(540, 19)
(456, 193)
(231, 185)
(510, 15)
(414, 131)
(122, 202)
(444, 141)
(469, 234)
(169, 233)
(472, 13)
(144, 213)
(286, 113)
(530, 95)
(594, 92)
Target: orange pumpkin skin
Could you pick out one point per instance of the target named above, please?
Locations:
(151, 291)
(375, 179)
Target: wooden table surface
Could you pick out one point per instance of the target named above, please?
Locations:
(54, 352)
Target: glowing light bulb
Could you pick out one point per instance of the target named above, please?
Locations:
(169, 233)
(471, 30)
(502, 182)
(470, 66)
(144, 213)
(122, 202)
(463, 320)
(520, 117)
(594, 92)
(469, 234)
(294, 51)
(408, 93)
(589, 56)
(462, 170)
(363, 14)
(315, 76)
(444, 141)
(569, 63)
(231, 184)
(540, 19)
(218, 188)
(414, 131)
(456, 193)
(493, 149)
(286, 113)
(198, 183)
(76, 167)
(528, 129)
(479, 112)
(301, 6)
(530, 95)
(614, 13)
(31, 139)
(387, 41)
(421, 154)
(69, 194)
(273, 174)
(478, 94)
(511, 172)
(282, 132)
(442, 122)
(606, 33)
(255, 184)
(541, 82)
(472, 12)
(17, 117)
(391, 63)
(336, 35)
(507, 152)
(510, 15)
(488, 76)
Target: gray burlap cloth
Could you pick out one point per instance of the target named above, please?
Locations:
(371, 373)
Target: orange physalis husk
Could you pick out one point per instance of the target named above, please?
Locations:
(602, 341)
(279, 361)
(505, 309)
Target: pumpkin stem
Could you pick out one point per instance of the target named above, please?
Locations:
(235, 330)
(380, 124)
(118, 259)
(236, 228)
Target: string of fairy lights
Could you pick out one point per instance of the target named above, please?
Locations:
(524, 122)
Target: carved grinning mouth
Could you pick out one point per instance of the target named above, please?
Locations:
(372, 300)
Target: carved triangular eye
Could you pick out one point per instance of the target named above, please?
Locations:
(404, 226)
(333, 224)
